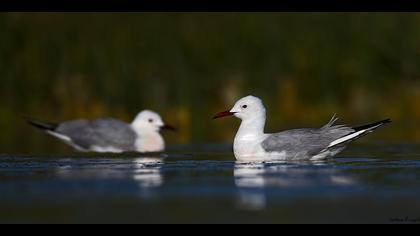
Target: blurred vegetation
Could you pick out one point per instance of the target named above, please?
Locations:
(187, 66)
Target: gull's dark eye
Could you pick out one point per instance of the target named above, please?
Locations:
(244, 106)
(150, 120)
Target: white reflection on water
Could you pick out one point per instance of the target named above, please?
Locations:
(147, 172)
(148, 175)
(250, 182)
(253, 180)
(144, 171)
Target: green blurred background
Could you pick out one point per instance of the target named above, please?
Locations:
(188, 66)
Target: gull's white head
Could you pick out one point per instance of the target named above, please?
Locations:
(149, 121)
(247, 108)
(147, 125)
(251, 111)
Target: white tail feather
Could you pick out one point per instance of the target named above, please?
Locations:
(352, 136)
(60, 136)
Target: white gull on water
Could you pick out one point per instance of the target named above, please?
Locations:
(251, 143)
(110, 135)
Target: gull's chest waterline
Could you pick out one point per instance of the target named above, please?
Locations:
(247, 143)
(150, 142)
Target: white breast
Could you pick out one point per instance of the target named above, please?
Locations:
(150, 143)
(248, 147)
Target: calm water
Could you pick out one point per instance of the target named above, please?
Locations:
(377, 183)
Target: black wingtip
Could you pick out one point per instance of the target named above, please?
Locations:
(379, 123)
(41, 125)
(388, 120)
(385, 121)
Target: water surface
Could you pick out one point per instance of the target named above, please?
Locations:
(376, 183)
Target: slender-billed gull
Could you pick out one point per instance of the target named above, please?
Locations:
(110, 135)
(251, 143)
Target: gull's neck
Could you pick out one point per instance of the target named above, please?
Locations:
(253, 126)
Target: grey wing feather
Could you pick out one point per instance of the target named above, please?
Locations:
(104, 132)
(304, 142)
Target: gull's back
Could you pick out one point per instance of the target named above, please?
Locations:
(104, 134)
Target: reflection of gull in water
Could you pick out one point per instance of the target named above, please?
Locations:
(250, 182)
(144, 171)
(148, 172)
(255, 179)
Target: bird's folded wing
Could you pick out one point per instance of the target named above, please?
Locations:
(105, 132)
(304, 141)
